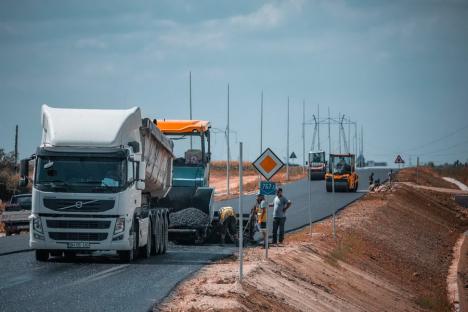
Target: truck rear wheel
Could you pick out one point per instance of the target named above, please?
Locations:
(157, 234)
(42, 255)
(161, 233)
(165, 235)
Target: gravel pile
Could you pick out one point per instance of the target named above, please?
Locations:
(188, 218)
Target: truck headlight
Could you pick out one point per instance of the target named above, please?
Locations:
(119, 225)
(37, 224)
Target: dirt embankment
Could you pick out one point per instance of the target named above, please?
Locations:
(426, 176)
(392, 253)
(250, 178)
(460, 173)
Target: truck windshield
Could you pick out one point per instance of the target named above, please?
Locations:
(80, 174)
(318, 158)
(188, 149)
(341, 164)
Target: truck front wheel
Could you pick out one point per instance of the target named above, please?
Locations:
(130, 255)
(42, 255)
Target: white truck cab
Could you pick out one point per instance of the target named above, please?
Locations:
(96, 173)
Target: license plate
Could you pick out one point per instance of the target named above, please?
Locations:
(78, 245)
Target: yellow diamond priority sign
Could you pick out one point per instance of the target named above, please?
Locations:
(268, 164)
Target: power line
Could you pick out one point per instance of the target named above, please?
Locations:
(439, 139)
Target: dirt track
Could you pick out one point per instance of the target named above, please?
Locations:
(392, 253)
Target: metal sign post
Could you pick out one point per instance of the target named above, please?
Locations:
(310, 198)
(241, 231)
(333, 201)
(267, 227)
(267, 164)
(267, 188)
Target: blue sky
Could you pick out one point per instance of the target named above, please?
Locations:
(399, 68)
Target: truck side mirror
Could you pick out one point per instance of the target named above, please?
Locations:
(24, 172)
(24, 167)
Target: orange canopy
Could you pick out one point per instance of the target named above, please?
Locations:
(182, 126)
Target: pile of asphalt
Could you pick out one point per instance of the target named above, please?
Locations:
(188, 218)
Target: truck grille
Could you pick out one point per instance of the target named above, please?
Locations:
(78, 236)
(78, 224)
(78, 205)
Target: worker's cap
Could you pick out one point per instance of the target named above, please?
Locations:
(279, 190)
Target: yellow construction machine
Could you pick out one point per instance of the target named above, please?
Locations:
(342, 170)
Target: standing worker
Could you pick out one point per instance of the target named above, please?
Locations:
(261, 208)
(280, 205)
(371, 178)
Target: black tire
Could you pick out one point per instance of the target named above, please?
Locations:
(154, 250)
(157, 233)
(42, 255)
(165, 232)
(146, 251)
(356, 187)
(161, 233)
(127, 256)
(7, 233)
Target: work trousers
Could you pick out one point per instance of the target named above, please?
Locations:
(278, 224)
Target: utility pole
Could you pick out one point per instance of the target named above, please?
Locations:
(339, 131)
(241, 215)
(190, 103)
(228, 149)
(329, 136)
(287, 145)
(261, 124)
(355, 139)
(303, 134)
(16, 146)
(318, 126)
(349, 135)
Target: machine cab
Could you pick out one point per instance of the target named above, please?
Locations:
(191, 149)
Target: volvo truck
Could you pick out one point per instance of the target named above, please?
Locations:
(98, 177)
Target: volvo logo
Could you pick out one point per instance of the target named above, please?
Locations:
(79, 204)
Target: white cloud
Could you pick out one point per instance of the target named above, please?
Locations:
(267, 16)
(93, 43)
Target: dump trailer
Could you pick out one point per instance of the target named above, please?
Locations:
(342, 170)
(98, 176)
(192, 219)
(317, 165)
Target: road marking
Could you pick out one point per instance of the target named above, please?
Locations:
(100, 275)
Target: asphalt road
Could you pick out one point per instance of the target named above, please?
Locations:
(322, 203)
(101, 283)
